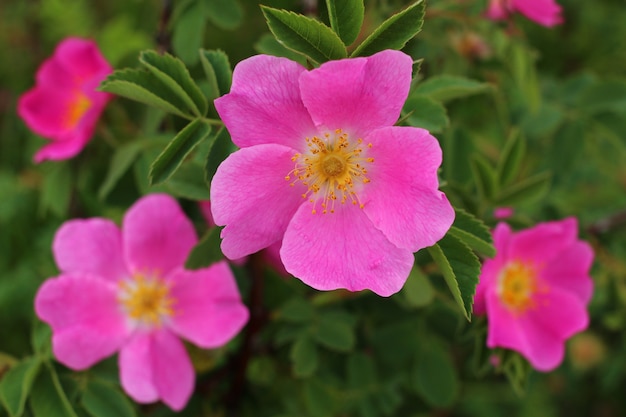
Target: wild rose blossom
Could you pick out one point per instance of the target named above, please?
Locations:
(127, 291)
(323, 170)
(64, 105)
(544, 12)
(535, 291)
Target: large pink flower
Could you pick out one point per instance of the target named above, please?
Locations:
(323, 170)
(535, 291)
(127, 291)
(544, 12)
(64, 105)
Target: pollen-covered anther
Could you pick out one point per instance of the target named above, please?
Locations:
(333, 169)
(146, 300)
(519, 287)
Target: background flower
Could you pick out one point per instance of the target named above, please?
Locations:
(127, 291)
(544, 12)
(64, 105)
(323, 169)
(535, 291)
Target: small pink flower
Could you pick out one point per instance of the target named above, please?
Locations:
(544, 12)
(502, 213)
(127, 291)
(64, 105)
(323, 170)
(535, 291)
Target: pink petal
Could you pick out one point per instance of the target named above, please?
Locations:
(359, 94)
(264, 104)
(503, 327)
(343, 250)
(85, 318)
(208, 310)
(544, 12)
(402, 199)
(249, 194)
(82, 58)
(543, 243)
(157, 235)
(156, 365)
(43, 117)
(62, 149)
(491, 267)
(498, 9)
(91, 247)
(571, 271)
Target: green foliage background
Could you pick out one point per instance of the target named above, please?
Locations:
(536, 122)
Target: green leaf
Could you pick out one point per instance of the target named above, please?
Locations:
(174, 75)
(304, 35)
(361, 372)
(48, 398)
(417, 291)
(101, 399)
(268, 45)
(511, 159)
(334, 332)
(435, 376)
(177, 150)
(16, 385)
(225, 14)
(460, 269)
(207, 251)
(604, 96)
(56, 190)
(528, 190)
(146, 88)
(220, 149)
(296, 310)
(304, 357)
(188, 182)
(217, 70)
(346, 18)
(317, 399)
(394, 32)
(426, 113)
(473, 232)
(449, 87)
(485, 177)
(188, 33)
(121, 162)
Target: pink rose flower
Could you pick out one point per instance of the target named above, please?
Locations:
(535, 291)
(323, 170)
(127, 291)
(544, 12)
(64, 105)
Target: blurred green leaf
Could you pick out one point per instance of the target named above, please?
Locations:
(207, 251)
(166, 164)
(174, 75)
(460, 269)
(220, 149)
(394, 32)
(304, 357)
(225, 14)
(120, 37)
(56, 190)
(16, 385)
(146, 88)
(604, 96)
(188, 32)
(525, 191)
(361, 372)
(417, 290)
(304, 35)
(450, 87)
(426, 113)
(473, 232)
(48, 398)
(485, 177)
(217, 70)
(188, 182)
(346, 18)
(121, 162)
(511, 158)
(435, 376)
(268, 45)
(334, 332)
(296, 310)
(317, 398)
(101, 399)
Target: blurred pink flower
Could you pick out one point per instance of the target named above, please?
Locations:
(502, 213)
(544, 12)
(127, 291)
(323, 170)
(64, 105)
(535, 291)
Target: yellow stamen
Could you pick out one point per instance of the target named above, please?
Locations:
(78, 108)
(333, 169)
(518, 286)
(146, 300)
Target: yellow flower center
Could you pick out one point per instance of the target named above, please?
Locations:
(333, 169)
(78, 108)
(146, 300)
(518, 286)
